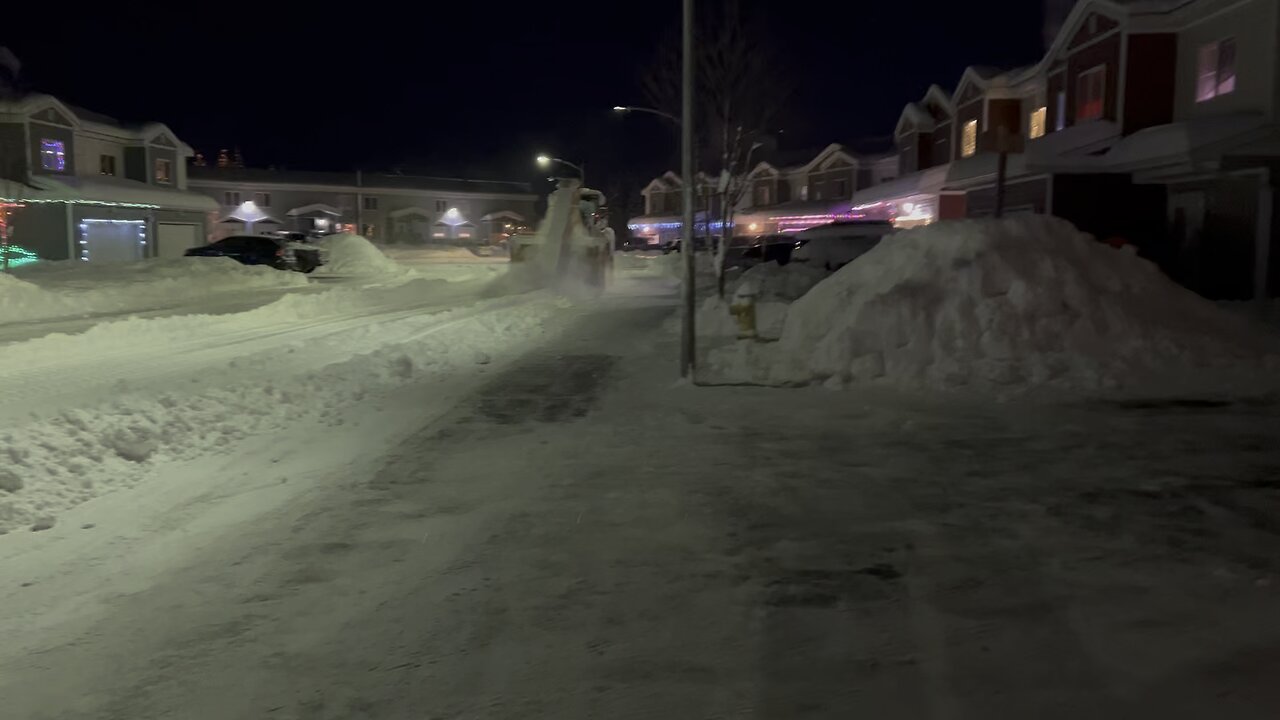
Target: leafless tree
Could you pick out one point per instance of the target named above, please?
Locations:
(741, 88)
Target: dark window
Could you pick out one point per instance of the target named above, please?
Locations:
(442, 205)
(106, 164)
(164, 170)
(264, 245)
(231, 198)
(840, 188)
(262, 199)
(370, 203)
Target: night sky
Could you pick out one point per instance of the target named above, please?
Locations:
(478, 88)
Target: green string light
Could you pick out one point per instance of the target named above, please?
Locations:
(18, 256)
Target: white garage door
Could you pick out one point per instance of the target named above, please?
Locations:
(172, 240)
(113, 241)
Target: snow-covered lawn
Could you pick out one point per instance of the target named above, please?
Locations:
(73, 289)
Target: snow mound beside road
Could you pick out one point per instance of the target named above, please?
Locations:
(1007, 306)
(73, 288)
(354, 255)
(774, 286)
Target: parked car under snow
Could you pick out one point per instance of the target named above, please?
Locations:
(835, 245)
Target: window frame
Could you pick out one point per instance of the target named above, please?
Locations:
(1220, 73)
(58, 158)
(968, 145)
(167, 164)
(1099, 71)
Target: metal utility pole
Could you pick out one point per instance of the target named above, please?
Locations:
(688, 338)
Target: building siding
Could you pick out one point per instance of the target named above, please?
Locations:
(1151, 85)
(135, 163)
(1026, 195)
(13, 155)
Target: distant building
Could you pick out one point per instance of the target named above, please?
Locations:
(785, 191)
(386, 208)
(81, 185)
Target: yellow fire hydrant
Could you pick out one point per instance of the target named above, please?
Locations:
(743, 308)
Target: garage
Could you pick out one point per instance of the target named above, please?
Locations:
(112, 240)
(174, 239)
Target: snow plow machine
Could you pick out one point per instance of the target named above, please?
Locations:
(573, 245)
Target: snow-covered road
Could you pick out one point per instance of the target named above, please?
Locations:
(563, 532)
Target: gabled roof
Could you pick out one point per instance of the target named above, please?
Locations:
(827, 153)
(90, 121)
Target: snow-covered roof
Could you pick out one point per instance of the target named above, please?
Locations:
(503, 215)
(90, 121)
(924, 182)
(1181, 145)
(102, 190)
(315, 208)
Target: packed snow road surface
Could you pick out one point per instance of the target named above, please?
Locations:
(570, 535)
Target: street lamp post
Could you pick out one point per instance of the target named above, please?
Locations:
(546, 161)
(688, 353)
(630, 109)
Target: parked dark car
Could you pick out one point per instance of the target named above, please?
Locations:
(770, 248)
(277, 252)
(700, 244)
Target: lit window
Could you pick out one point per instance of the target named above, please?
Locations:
(1035, 128)
(164, 170)
(107, 165)
(262, 199)
(1060, 121)
(231, 198)
(1091, 93)
(969, 139)
(53, 155)
(804, 192)
(1217, 73)
(371, 203)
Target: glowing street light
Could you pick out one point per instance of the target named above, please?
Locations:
(545, 161)
(629, 108)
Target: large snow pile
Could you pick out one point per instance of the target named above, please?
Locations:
(1010, 305)
(774, 287)
(354, 255)
(73, 288)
